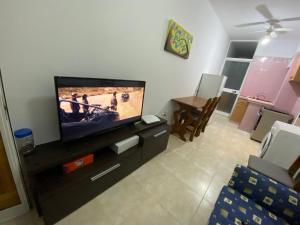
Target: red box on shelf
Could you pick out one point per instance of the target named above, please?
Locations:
(78, 163)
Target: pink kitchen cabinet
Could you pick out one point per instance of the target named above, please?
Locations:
(250, 118)
(265, 77)
(268, 79)
(288, 96)
(294, 72)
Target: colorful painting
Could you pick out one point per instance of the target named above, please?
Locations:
(179, 41)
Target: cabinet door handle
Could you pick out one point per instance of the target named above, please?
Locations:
(99, 175)
(160, 133)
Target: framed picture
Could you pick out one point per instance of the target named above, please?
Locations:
(179, 41)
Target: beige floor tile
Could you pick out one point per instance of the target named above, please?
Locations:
(181, 203)
(214, 189)
(152, 174)
(148, 213)
(175, 142)
(171, 192)
(189, 173)
(89, 214)
(123, 198)
(30, 218)
(203, 213)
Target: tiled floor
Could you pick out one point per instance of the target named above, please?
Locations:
(178, 187)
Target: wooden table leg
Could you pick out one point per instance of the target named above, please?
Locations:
(187, 121)
(177, 123)
(180, 126)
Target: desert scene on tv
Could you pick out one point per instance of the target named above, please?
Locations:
(80, 106)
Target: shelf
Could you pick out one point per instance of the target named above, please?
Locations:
(52, 181)
(56, 153)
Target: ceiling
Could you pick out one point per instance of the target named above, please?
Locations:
(233, 12)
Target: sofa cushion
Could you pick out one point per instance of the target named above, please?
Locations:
(216, 219)
(234, 207)
(271, 170)
(273, 196)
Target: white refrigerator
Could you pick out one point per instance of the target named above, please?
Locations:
(211, 85)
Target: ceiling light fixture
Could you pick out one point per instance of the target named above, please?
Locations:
(273, 34)
(266, 40)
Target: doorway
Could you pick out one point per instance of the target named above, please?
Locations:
(235, 72)
(13, 200)
(8, 192)
(238, 58)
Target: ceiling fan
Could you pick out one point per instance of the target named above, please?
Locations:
(273, 24)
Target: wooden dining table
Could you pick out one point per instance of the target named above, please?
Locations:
(186, 105)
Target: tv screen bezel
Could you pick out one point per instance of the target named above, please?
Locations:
(91, 79)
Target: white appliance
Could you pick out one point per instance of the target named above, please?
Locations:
(211, 85)
(126, 144)
(148, 119)
(282, 144)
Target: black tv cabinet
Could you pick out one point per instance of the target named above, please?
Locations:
(56, 194)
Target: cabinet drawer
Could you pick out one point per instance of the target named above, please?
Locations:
(154, 141)
(130, 162)
(239, 111)
(72, 197)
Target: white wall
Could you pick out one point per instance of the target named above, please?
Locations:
(278, 48)
(100, 38)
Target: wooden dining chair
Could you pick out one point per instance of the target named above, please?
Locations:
(198, 119)
(213, 106)
(294, 168)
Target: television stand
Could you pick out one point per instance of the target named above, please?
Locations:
(56, 194)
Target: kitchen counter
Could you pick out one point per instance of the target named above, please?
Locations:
(251, 115)
(257, 101)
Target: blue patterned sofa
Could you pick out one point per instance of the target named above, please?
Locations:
(252, 198)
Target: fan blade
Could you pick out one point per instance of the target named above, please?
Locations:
(283, 29)
(258, 31)
(276, 25)
(263, 10)
(290, 19)
(249, 24)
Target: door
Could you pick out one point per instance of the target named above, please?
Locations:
(8, 192)
(210, 85)
(235, 71)
(13, 201)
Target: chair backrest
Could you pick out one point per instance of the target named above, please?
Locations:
(205, 110)
(297, 184)
(217, 100)
(294, 167)
(213, 107)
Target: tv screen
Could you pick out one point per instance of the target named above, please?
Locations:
(88, 106)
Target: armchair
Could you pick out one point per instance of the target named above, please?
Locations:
(271, 195)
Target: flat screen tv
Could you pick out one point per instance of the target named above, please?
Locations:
(89, 106)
